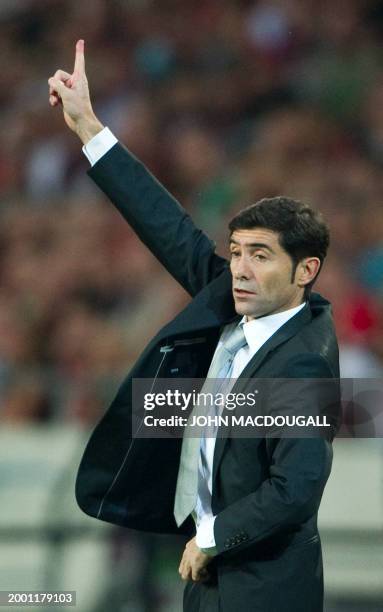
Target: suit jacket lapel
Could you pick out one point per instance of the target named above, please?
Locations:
(283, 334)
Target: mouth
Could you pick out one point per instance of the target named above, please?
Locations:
(243, 293)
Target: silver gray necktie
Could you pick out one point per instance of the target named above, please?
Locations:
(187, 481)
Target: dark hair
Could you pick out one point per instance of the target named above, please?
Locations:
(302, 230)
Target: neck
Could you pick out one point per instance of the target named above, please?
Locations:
(269, 314)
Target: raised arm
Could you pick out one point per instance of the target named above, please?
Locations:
(157, 218)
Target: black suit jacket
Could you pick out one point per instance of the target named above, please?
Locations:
(266, 491)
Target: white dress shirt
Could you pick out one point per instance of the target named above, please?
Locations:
(257, 332)
(99, 145)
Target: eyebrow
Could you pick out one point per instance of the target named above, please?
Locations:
(254, 245)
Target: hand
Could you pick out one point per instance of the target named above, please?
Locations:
(71, 90)
(193, 563)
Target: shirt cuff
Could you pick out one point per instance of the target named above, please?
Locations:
(205, 536)
(99, 145)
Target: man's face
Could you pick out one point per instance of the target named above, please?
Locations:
(261, 271)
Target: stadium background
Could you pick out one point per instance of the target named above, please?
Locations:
(226, 102)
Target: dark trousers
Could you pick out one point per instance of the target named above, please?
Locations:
(201, 597)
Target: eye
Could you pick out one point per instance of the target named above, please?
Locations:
(259, 257)
(234, 254)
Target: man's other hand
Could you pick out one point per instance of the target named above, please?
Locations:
(71, 90)
(193, 563)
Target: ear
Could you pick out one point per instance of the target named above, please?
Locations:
(307, 270)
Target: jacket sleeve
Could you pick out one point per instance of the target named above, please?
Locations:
(158, 219)
(299, 469)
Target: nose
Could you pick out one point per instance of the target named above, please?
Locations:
(241, 268)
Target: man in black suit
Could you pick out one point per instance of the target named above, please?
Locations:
(253, 521)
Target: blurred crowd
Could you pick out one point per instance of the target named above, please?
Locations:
(226, 102)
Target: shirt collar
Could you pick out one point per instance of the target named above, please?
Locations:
(265, 327)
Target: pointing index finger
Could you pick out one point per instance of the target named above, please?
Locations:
(79, 62)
